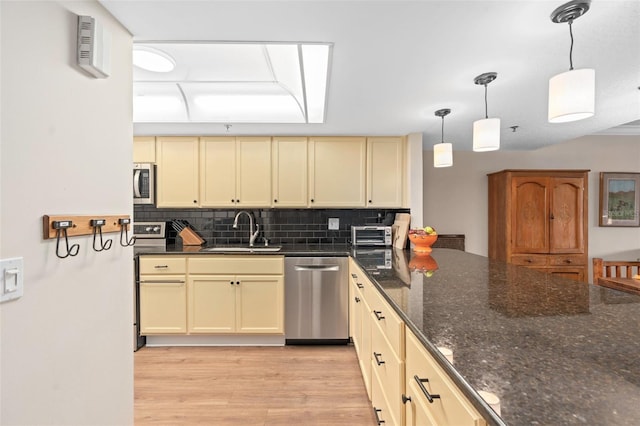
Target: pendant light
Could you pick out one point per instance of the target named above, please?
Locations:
(571, 93)
(442, 152)
(486, 132)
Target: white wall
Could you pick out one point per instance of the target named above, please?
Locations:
(66, 346)
(455, 199)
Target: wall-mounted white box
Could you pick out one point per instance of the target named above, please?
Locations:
(11, 279)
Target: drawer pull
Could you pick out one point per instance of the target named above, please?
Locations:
(357, 300)
(567, 261)
(360, 285)
(378, 360)
(405, 399)
(424, 390)
(379, 421)
(161, 266)
(528, 260)
(355, 277)
(378, 315)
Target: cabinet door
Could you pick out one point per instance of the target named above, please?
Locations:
(211, 304)
(337, 172)
(289, 172)
(163, 304)
(574, 273)
(385, 159)
(253, 172)
(144, 149)
(218, 171)
(365, 346)
(530, 215)
(567, 216)
(260, 304)
(177, 171)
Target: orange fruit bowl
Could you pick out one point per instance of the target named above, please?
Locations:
(422, 243)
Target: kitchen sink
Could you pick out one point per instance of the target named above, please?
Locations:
(235, 249)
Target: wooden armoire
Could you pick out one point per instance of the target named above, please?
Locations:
(538, 219)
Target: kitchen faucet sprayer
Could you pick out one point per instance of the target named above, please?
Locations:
(252, 235)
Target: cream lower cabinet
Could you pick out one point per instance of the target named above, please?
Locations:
(177, 171)
(337, 171)
(236, 295)
(163, 295)
(425, 379)
(361, 321)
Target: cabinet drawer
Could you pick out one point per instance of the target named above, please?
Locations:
(381, 407)
(162, 265)
(232, 265)
(529, 260)
(388, 321)
(566, 260)
(389, 369)
(452, 407)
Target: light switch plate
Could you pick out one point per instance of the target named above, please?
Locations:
(334, 223)
(11, 279)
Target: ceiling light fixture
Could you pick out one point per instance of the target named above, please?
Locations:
(486, 132)
(571, 93)
(442, 152)
(151, 59)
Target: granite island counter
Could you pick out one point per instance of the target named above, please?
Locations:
(555, 351)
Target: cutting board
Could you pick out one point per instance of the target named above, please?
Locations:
(400, 229)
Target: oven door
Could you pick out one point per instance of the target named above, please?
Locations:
(369, 236)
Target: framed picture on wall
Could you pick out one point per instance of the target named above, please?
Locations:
(619, 199)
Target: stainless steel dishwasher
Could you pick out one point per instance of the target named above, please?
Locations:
(316, 300)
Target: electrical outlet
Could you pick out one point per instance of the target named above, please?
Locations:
(334, 223)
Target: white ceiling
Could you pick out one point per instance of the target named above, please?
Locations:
(396, 62)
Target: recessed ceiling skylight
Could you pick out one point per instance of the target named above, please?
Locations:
(151, 59)
(234, 83)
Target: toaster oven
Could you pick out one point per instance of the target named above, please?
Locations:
(371, 235)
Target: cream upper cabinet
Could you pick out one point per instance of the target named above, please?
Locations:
(235, 171)
(218, 171)
(385, 171)
(177, 172)
(337, 171)
(289, 172)
(144, 149)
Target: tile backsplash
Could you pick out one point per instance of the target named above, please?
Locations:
(279, 226)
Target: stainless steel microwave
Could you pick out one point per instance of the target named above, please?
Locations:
(372, 235)
(144, 178)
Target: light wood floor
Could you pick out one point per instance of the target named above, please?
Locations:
(290, 385)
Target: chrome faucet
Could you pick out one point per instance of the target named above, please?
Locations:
(252, 235)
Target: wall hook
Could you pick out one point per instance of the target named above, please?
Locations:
(124, 233)
(97, 225)
(61, 230)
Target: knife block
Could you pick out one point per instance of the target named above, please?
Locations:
(190, 238)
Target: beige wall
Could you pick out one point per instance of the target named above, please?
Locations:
(66, 345)
(455, 200)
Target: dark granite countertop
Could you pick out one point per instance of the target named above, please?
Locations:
(555, 351)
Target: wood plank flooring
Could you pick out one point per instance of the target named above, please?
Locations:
(290, 385)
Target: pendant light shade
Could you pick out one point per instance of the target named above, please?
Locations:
(486, 135)
(443, 155)
(486, 132)
(442, 152)
(571, 93)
